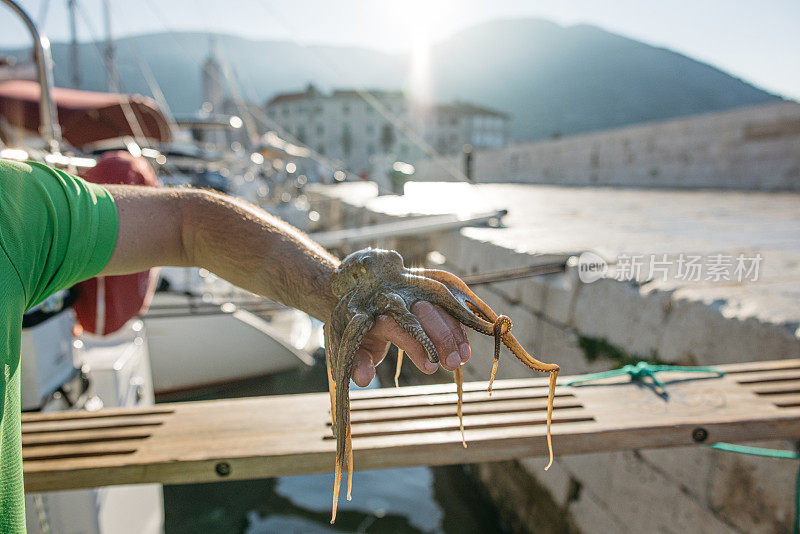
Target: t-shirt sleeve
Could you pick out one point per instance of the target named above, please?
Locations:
(56, 229)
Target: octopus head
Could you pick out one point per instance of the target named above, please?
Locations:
(365, 267)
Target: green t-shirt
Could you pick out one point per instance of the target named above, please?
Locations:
(55, 230)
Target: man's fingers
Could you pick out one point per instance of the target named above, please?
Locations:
(459, 333)
(394, 333)
(364, 371)
(448, 336)
(443, 331)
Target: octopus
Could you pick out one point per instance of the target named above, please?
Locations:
(373, 282)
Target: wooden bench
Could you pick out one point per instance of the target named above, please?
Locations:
(290, 434)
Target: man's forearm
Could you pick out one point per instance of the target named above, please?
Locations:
(256, 251)
(233, 239)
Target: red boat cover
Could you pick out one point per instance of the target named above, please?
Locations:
(121, 298)
(85, 116)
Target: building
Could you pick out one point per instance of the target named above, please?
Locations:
(355, 127)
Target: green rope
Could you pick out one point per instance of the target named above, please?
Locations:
(770, 453)
(642, 370)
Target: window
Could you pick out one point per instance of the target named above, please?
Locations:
(370, 129)
(370, 149)
(320, 129)
(387, 137)
(346, 109)
(321, 150)
(301, 133)
(347, 140)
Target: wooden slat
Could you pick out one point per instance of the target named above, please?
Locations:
(767, 376)
(290, 434)
(432, 424)
(133, 420)
(85, 436)
(470, 408)
(784, 400)
(772, 365)
(105, 413)
(773, 388)
(451, 398)
(416, 391)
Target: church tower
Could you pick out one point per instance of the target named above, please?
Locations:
(213, 94)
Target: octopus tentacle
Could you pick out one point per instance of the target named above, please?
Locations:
(502, 326)
(351, 339)
(395, 306)
(516, 349)
(438, 293)
(326, 330)
(399, 367)
(481, 309)
(458, 376)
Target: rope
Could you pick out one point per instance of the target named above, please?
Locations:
(642, 370)
(770, 453)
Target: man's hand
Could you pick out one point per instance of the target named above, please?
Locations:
(448, 335)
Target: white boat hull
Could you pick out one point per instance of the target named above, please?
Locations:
(187, 352)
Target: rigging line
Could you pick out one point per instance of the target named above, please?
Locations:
(230, 77)
(152, 83)
(44, 10)
(130, 115)
(284, 133)
(256, 110)
(370, 99)
(258, 114)
(314, 155)
(127, 109)
(154, 86)
(241, 105)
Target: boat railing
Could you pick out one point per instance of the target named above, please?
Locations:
(49, 128)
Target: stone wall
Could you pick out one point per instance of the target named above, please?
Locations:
(672, 490)
(568, 322)
(751, 148)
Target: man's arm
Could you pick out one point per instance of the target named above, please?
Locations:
(258, 252)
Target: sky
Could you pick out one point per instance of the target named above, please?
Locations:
(756, 40)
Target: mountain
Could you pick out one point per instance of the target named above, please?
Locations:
(551, 80)
(556, 81)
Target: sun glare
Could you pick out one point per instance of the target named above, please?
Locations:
(419, 23)
(420, 76)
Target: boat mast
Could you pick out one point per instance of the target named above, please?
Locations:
(49, 128)
(113, 77)
(73, 28)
